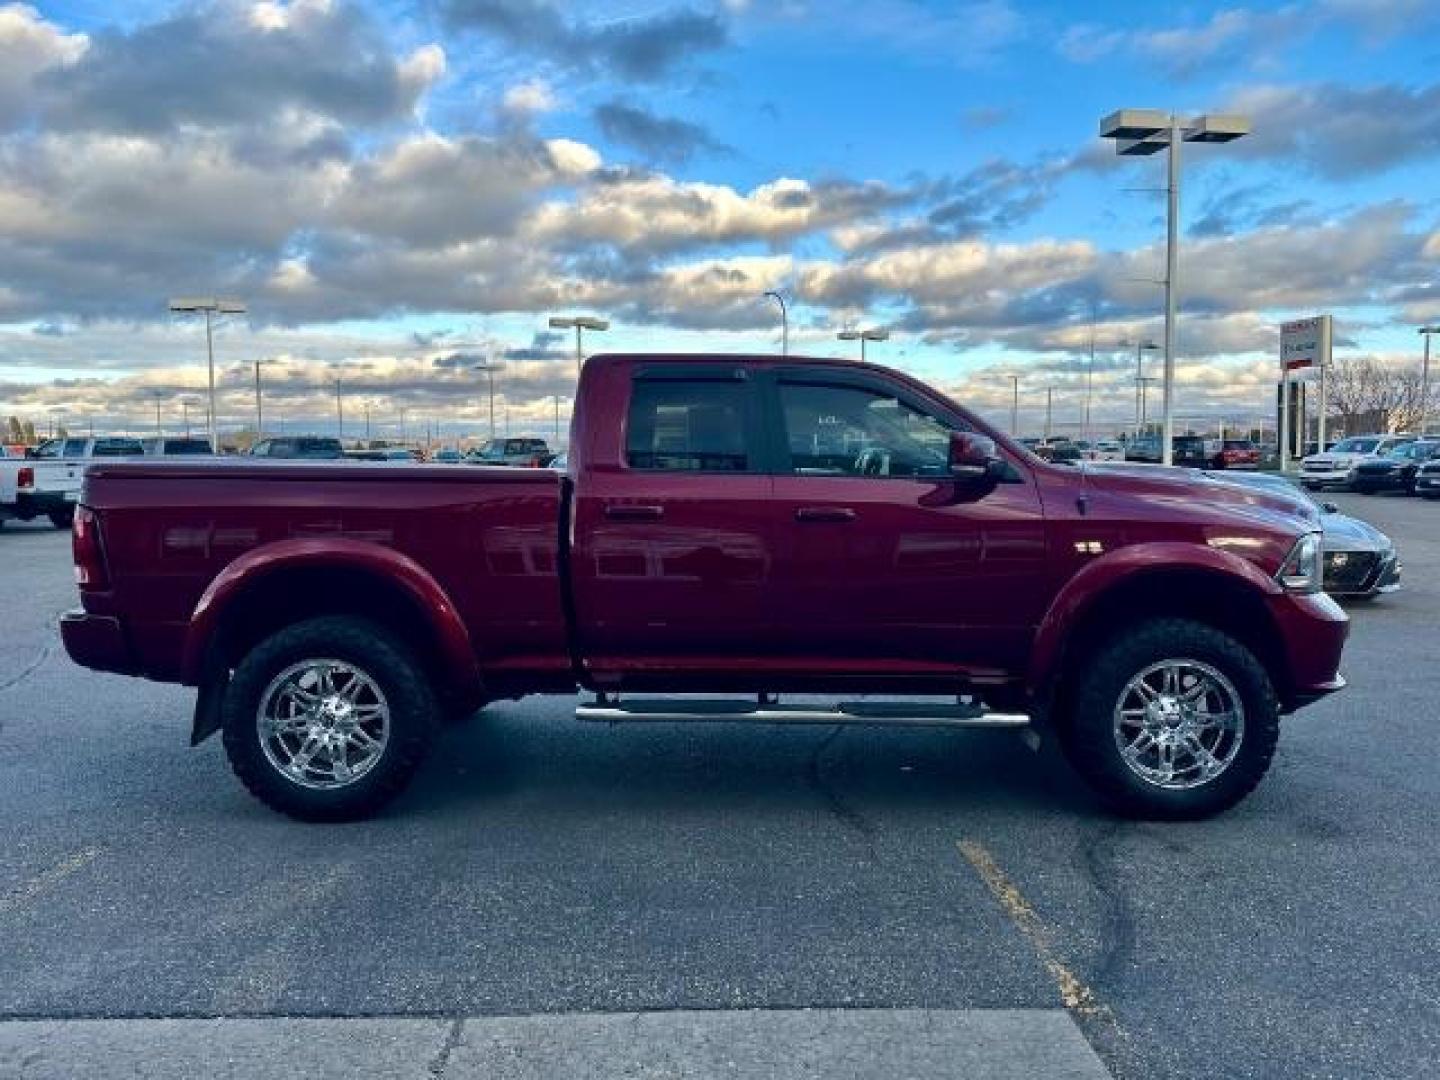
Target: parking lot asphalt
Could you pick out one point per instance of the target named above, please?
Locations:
(544, 867)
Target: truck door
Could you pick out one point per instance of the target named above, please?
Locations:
(673, 539)
(881, 568)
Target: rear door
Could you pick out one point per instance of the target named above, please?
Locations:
(673, 543)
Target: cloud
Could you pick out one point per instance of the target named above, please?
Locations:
(657, 138)
(1341, 132)
(645, 48)
(656, 214)
(29, 45)
(529, 98)
(222, 64)
(1240, 35)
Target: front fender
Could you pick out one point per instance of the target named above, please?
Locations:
(1123, 566)
(431, 600)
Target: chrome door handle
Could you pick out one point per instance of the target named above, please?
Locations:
(634, 512)
(825, 513)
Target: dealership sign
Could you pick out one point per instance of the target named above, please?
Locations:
(1304, 343)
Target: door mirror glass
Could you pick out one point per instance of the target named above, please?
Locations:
(972, 456)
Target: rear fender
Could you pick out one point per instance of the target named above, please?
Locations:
(1124, 566)
(457, 656)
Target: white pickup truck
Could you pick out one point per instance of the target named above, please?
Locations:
(46, 482)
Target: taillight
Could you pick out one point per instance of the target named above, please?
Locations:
(89, 549)
(25, 478)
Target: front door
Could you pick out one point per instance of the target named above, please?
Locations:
(673, 548)
(884, 566)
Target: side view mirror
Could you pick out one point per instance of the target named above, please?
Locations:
(973, 458)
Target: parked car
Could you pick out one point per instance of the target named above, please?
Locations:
(559, 463)
(1360, 561)
(526, 453)
(1427, 479)
(1144, 449)
(1336, 467)
(1236, 454)
(830, 528)
(172, 446)
(1397, 470)
(1105, 450)
(384, 453)
(46, 482)
(307, 447)
(447, 455)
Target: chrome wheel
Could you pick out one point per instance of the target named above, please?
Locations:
(323, 723)
(1179, 724)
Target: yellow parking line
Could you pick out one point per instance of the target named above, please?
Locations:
(1076, 996)
(28, 890)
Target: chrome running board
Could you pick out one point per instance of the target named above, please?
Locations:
(610, 710)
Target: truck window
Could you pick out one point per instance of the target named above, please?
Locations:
(688, 426)
(74, 448)
(856, 431)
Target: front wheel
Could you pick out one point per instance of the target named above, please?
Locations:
(328, 719)
(62, 519)
(1172, 720)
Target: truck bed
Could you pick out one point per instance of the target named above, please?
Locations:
(488, 538)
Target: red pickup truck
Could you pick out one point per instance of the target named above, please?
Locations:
(749, 528)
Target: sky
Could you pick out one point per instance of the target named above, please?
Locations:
(398, 190)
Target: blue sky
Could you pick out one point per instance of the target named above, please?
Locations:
(386, 184)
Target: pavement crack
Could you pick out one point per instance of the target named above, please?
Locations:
(441, 1061)
(1118, 936)
(843, 811)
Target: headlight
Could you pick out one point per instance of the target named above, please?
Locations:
(1300, 572)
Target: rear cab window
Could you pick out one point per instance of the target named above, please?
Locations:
(694, 424)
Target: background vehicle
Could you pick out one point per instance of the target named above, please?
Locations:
(306, 447)
(173, 446)
(46, 483)
(1427, 480)
(1360, 561)
(520, 452)
(1105, 450)
(1336, 467)
(384, 453)
(1397, 470)
(1236, 454)
(1193, 451)
(1145, 449)
(728, 525)
(447, 455)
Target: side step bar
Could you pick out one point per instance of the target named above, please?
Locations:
(898, 713)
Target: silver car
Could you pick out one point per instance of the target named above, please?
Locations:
(1336, 467)
(1360, 561)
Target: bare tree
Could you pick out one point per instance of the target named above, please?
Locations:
(1362, 389)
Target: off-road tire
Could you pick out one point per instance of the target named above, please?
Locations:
(414, 716)
(1088, 734)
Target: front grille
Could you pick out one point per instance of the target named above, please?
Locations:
(1349, 571)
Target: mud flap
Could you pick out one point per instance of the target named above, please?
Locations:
(208, 717)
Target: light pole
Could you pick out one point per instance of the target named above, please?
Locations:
(1049, 405)
(259, 409)
(863, 336)
(490, 367)
(1140, 349)
(211, 306)
(578, 323)
(1426, 332)
(784, 322)
(1015, 405)
(1139, 133)
(1142, 384)
(159, 395)
(339, 412)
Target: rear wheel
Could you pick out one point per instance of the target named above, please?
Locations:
(328, 719)
(62, 519)
(1172, 720)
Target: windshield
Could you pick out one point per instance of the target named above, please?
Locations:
(1356, 446)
